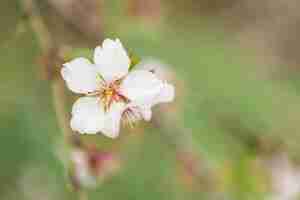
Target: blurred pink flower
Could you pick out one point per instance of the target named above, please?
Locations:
(285, 178)
(92, 166)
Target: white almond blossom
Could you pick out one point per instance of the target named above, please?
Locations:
(112, 92)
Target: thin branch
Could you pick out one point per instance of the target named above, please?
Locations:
(181, 141)
(51, 63)
(51, 60)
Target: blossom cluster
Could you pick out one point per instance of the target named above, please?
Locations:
(113, 92)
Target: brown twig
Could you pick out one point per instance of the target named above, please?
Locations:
(51, 62)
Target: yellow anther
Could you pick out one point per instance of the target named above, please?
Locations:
(108, 92)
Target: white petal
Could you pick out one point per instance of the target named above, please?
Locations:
(87, 115)
(80, 75)
(141, 86)
(166, 94)
(112, 60)
(112, 121)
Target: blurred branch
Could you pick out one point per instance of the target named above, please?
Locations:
(71, 23)
(51, 60)
(37, 24)
(180, 140)
(59, 99)
(84, 15)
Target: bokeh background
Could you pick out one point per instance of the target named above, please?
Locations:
(231, 134)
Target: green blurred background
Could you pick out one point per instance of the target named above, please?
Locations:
(232, 132)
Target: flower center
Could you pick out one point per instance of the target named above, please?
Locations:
(110, 94)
